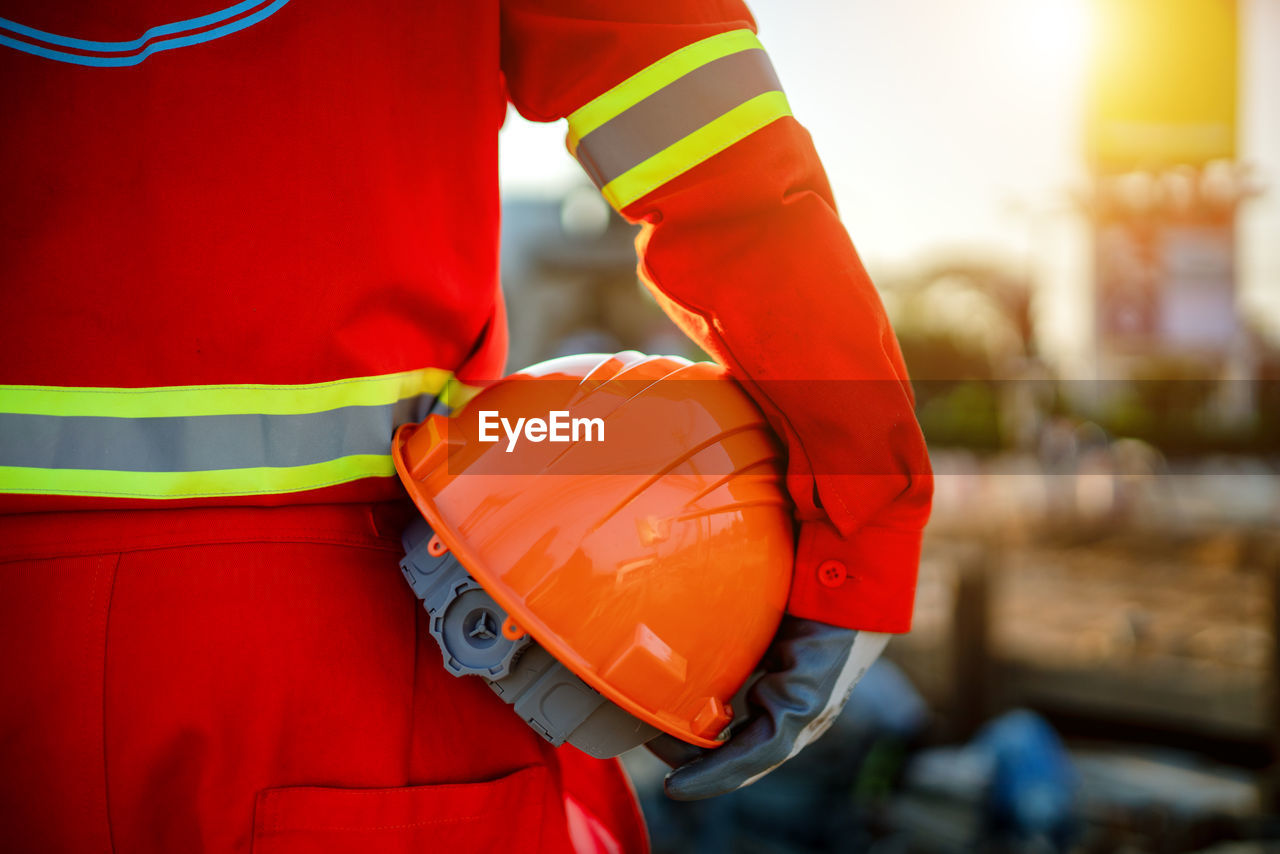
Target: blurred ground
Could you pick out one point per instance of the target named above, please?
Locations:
(1149, 596)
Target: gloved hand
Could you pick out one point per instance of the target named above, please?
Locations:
(810, 670)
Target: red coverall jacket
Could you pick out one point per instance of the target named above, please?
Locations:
(241, 243)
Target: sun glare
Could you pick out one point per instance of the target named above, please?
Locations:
(1055, 34)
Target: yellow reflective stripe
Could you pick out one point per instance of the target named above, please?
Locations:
(457, 394)
(193, 484)
(644, 83)
(707, 141)
(242, 399)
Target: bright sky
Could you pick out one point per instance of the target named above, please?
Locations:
(942, 123)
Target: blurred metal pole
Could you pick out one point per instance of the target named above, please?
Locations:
(1269, 555)
(970, 641)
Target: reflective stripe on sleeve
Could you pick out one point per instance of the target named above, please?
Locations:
(199, 441)
(678, 112)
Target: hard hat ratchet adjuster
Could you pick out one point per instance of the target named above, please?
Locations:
(477, 637)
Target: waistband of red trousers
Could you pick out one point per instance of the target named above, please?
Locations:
(24, 536)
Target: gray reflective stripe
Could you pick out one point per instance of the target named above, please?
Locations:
(673, 112)
(202, 443)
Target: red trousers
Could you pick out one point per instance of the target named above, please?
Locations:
(229, 679)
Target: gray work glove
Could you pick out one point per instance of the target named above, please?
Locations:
(810, 670)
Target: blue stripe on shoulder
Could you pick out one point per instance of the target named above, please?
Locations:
(136, 50)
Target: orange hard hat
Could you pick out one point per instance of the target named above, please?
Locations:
(652, 560)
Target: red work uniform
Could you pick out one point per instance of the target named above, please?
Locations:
(240, 244)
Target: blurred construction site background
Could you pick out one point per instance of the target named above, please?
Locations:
(1072, 211)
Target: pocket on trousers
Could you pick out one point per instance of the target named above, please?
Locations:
(499, 815)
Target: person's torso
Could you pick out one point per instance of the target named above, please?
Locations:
(286, 209)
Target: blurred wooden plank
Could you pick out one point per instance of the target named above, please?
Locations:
(1219, 705)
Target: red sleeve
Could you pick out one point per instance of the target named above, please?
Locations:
(745, 251)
